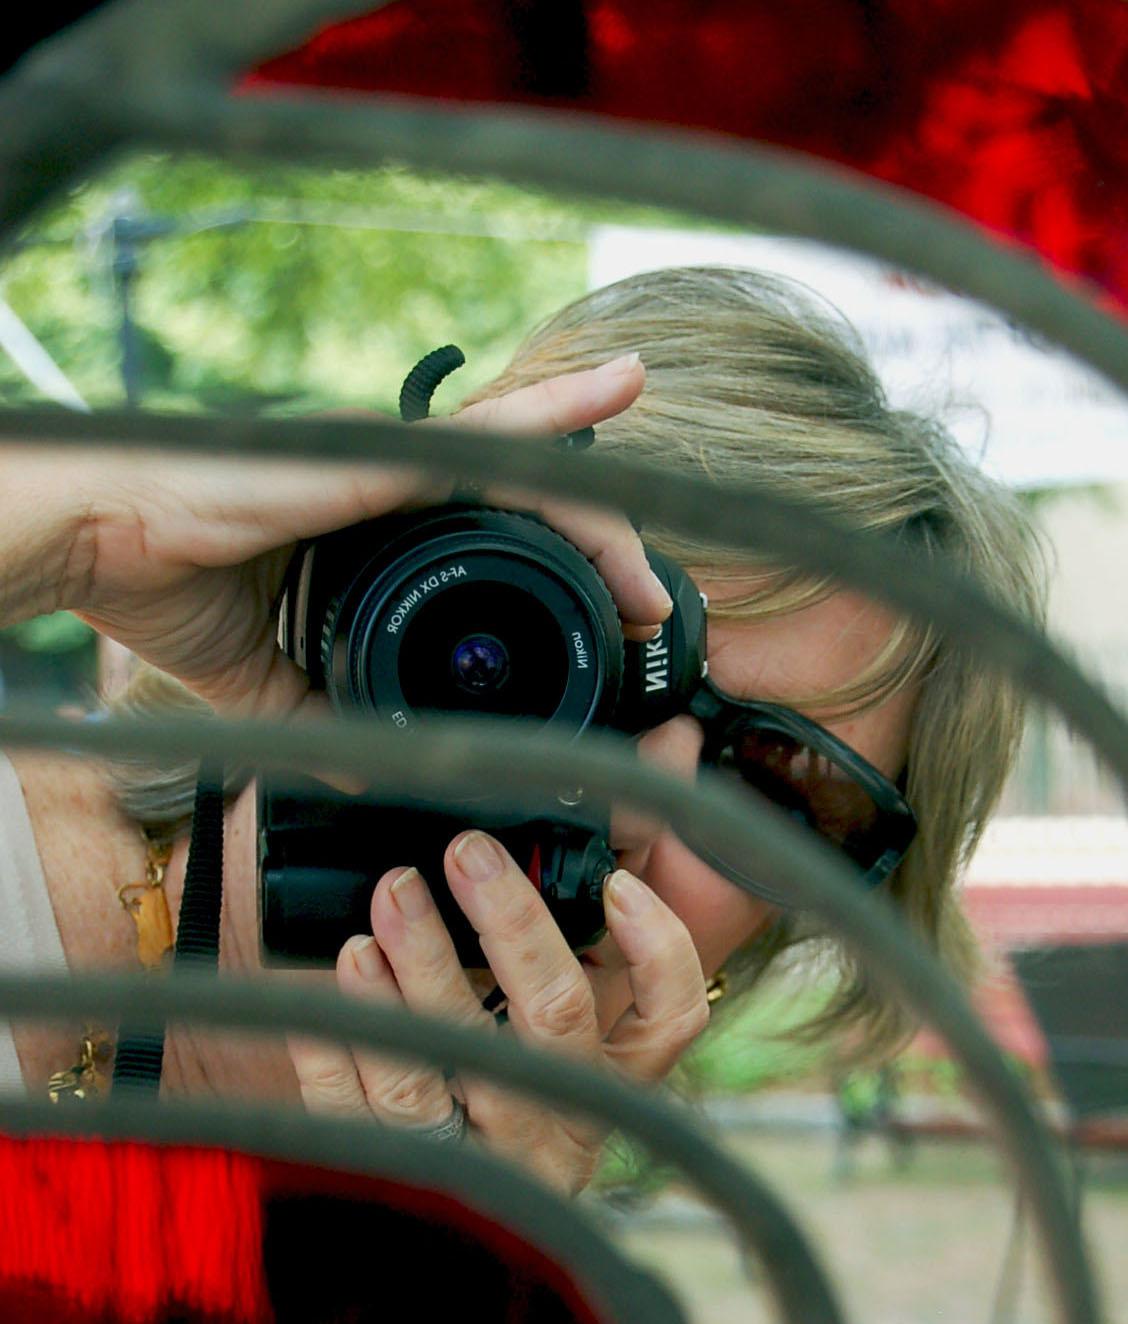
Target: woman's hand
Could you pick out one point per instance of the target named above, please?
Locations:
(182, 560)
(637, 1021)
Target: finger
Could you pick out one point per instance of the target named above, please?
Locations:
(670, 1006)
(561, 404)
(396, 1092)
(420, 953)
(327, 1077)
(550, 999)
(610, 544)
(606, 969)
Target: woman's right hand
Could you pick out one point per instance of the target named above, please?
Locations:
(182, 560)
(632, 1020)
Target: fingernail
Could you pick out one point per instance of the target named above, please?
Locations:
(664, 591)
(627, 894)
(620, 366)
(410, 894)
(479, 857)
(367, 958)
(641, 634)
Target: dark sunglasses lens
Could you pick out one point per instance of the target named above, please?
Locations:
(812, 788)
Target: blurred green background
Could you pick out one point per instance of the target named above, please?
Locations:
(276, 289)
(281, 287)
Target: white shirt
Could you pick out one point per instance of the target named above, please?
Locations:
(29, 936)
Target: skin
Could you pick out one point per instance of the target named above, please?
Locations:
(637, 1001)
(181, 564)
(182, 560)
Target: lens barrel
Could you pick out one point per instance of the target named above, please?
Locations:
(467, 611)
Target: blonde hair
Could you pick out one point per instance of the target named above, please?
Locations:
(751, 378)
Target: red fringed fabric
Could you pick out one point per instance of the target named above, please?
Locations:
(1014, 113)
(129, 1234)
(125, 1233)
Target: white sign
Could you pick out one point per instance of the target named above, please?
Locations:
(1031, 414)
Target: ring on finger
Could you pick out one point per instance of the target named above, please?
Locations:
(452, 1130)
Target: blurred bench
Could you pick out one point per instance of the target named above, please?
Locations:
(1079, 996)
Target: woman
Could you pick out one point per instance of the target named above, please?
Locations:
(741, 377)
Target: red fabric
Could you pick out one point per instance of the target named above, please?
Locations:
(125, 1233)
(1014, 113)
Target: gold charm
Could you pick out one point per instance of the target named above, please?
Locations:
(87, 1077)
(147, 906)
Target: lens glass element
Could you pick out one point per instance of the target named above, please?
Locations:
(480, 664)
(484, 647)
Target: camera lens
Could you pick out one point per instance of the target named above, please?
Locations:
(480, 664)
(475, 612)
(484, 647)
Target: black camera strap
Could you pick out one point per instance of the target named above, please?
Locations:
(140, 1053)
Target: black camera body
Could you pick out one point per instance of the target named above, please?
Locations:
(464, 610)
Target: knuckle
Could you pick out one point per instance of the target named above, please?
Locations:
(564, 1009)
(521, 918)
(333, 1088)
(431, 962)
(406, 1095)
(684, 1026)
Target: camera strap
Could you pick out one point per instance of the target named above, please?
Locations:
(140, 1053)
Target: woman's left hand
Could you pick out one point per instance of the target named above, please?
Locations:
(636, 1019)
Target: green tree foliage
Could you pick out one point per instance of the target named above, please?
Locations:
(287, 287)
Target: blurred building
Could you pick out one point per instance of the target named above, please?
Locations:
(1087, 528)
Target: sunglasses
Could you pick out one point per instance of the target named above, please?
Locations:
(811, 774)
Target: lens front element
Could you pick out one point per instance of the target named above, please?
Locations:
(480, 664)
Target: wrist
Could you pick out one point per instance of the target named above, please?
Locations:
(46, 538)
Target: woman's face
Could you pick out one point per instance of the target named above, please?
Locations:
(812, 651)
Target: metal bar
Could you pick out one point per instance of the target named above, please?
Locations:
(468, 753)
(702, 173)
(169, 63)
(497, 1190)
(798, 533)
(794, 1276)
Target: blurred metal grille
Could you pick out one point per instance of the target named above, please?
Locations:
(137, 73)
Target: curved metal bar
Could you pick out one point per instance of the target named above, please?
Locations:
(796, 1280)
(466, 753)
(685, 170)
(166, 62)
(61, 105)
(495, 1189)
(798, 533)
(696, 172)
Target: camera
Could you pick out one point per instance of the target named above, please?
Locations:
(467, 610)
